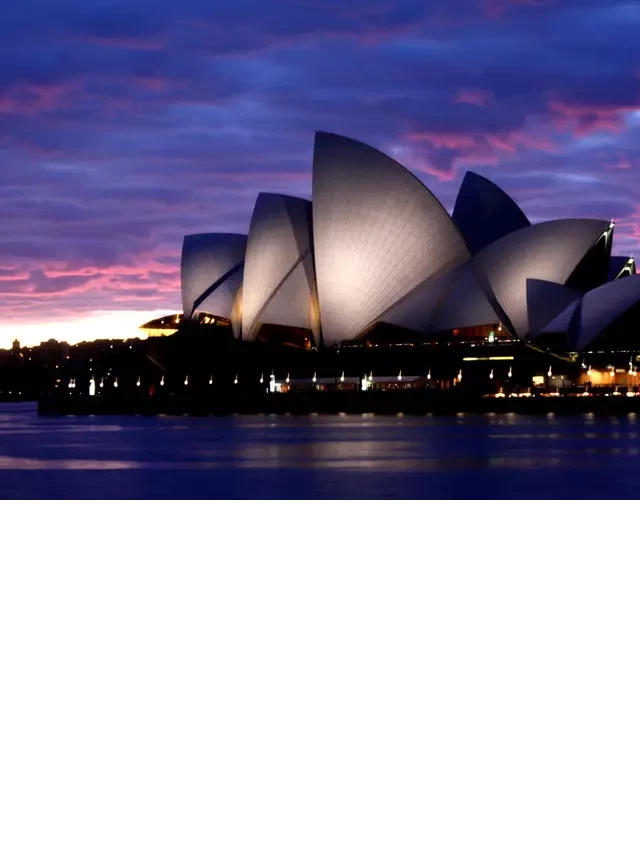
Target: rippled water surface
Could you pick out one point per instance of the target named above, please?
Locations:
(469, 456)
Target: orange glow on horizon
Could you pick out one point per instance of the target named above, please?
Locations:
(73, 330)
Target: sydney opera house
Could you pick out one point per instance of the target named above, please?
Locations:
(375, 250)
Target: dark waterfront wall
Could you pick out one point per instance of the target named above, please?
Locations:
(206, 369)
(411, 402)
(205, 356)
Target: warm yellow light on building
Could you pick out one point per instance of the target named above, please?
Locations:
(489, 358)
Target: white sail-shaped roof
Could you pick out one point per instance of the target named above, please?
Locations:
(563, 322)
(455, 300)
(602, 305)
(293, 304)
(466, 304)
(220, 300)
(236, 314)
(378, 233)
(548, 251)
(210, 263)
(278, 282)
(546, 300)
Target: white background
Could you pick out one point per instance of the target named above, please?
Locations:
(357, 676)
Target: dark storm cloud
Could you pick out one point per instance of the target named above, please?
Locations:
(124, 126)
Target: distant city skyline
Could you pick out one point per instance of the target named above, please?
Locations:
(127, 126)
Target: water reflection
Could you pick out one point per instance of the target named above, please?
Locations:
(26, 464)
(320, 456)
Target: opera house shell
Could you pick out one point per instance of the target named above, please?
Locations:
(374, 246)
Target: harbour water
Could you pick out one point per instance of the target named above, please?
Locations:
(318, 457)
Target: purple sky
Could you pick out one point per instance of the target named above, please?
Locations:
(125, 125)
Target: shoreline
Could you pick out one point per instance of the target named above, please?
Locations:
(342, 402)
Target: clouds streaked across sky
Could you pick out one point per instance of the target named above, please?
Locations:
(125, 125)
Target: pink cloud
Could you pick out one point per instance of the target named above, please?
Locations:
(479, 157)
(483, 143)
(630, 226)
(584, 119)
(477, 97)
(260, 178)
(444, 139)
(30, 99)
(439, 153)
(152, 84)
(422, 163)
(498, 8)
(144, 279)
(512, 140)
(622, 162)
(13, 275)
(30, 289)
(126, 42)
(143, 268)
(137, 297)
